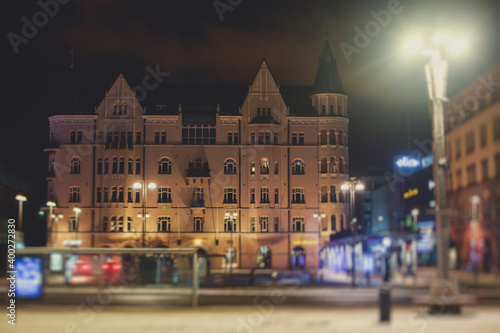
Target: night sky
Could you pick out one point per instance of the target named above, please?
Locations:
(189, 40)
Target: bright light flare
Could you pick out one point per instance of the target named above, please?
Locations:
(440, 39)
(152, 186)
(458, 45)
(359, 187)
(413, 45)
(345, 187)
(137, 185)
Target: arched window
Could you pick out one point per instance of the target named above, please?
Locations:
(342, 166)
(323, 137)
(333, 165)
(164, 166)
(333, 137)
(324, 165)
(114, 166)
(298, 167)
(264, 166)
(106, 166)
(122, 166)
(114, 109)
(130, 166)
(75, 165)
(99, 166)
(137, 166)
(230, 167)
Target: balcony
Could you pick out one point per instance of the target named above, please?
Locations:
(119, 146)
(198, 202)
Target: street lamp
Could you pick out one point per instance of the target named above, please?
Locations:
(51, 205)
(414, 213)
(319, 216)
(436, 71)
(21, 199)
(75, 227)
(353, 185)
(144, 215)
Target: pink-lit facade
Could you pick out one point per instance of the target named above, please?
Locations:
(247, 182)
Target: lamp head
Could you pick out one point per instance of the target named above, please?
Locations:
(77, 210)
(152, 186)
(359, 187)
(345, 187)
(51, 204)
(21, 198)
(137, 185)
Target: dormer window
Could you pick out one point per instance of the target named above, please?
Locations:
(161, 107)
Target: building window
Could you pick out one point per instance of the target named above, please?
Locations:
(252, 195)
(99, 166)
(333, 137)
(333, 165)
(138, 138)
(261, 138)
(298, 195)
(342, 166)
(105, 223)
(137, 195)
(458, 148)
(275, 138)
(341, 138)
(163, 137)
(137, 166)
(75, 165)
(73, 224)
(483, 133)
(276, 224)
(322, 137)
(342, 223)
(72, 138)
(252, 224)
(130, 166)
(114, 166)
(120, 224)
(230, 195)
(100, 137)
(331, 109)
(130, 142)
(264, 166)
(229, 138)
(334, 223)
(301, 139)
(74, 194)
(496, 128)
(264, 223)
(333, 194)
(268, 138)
(121, 170)
(230, 167)
(323, 109)
(469, 142)
(298, 224)
(113, 224)
(230, 224)
(459, 179)
(99, 194)
(164, 223)
(157, 137)
(324, 193)
(121, 194)
(294, 139)
(164, 166)
(113, 194)
(199, 134)
(164, 195)
(276, 195)
(324, 165)
(252, 168)
(298, 167)
(484, 169)
(198, 198)
(252, 138)
(276, 168)
(129, 195)
(106, 194)
(129, 223)
(198, 224)
(264, 195)
(258, 111)
(106, 166)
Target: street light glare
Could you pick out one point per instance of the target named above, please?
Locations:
(440, 39)
(20, 197)
(344, 187)
(359, 187)
(152, 186)
(51, 204)
(137, 185)
(458, 45)
(413, 45)
(77, 210)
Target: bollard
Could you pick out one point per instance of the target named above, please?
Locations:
(385, 303)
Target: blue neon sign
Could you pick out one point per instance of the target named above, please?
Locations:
(29, 277)
(408, 162)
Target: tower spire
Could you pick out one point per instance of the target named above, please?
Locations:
(327, 77)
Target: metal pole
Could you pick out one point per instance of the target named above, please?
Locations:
(353, 252)
(194, 296)
(144, 199)
(436, 77)
(20, 222)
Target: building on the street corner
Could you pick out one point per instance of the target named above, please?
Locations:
(473, 177)
(256, 179)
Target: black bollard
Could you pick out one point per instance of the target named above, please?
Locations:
(385, 303)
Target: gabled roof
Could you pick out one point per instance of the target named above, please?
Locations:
(327, 77)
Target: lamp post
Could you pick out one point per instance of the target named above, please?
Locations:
(319, 216)
(51, 205)
(473, 241)
(353, 185)
(21, 199)
(144, 215)
(436, 72)
(56, 218)
(77, 211)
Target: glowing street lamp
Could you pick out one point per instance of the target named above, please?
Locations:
(21, 199)
(144, 215)
(436, 71)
